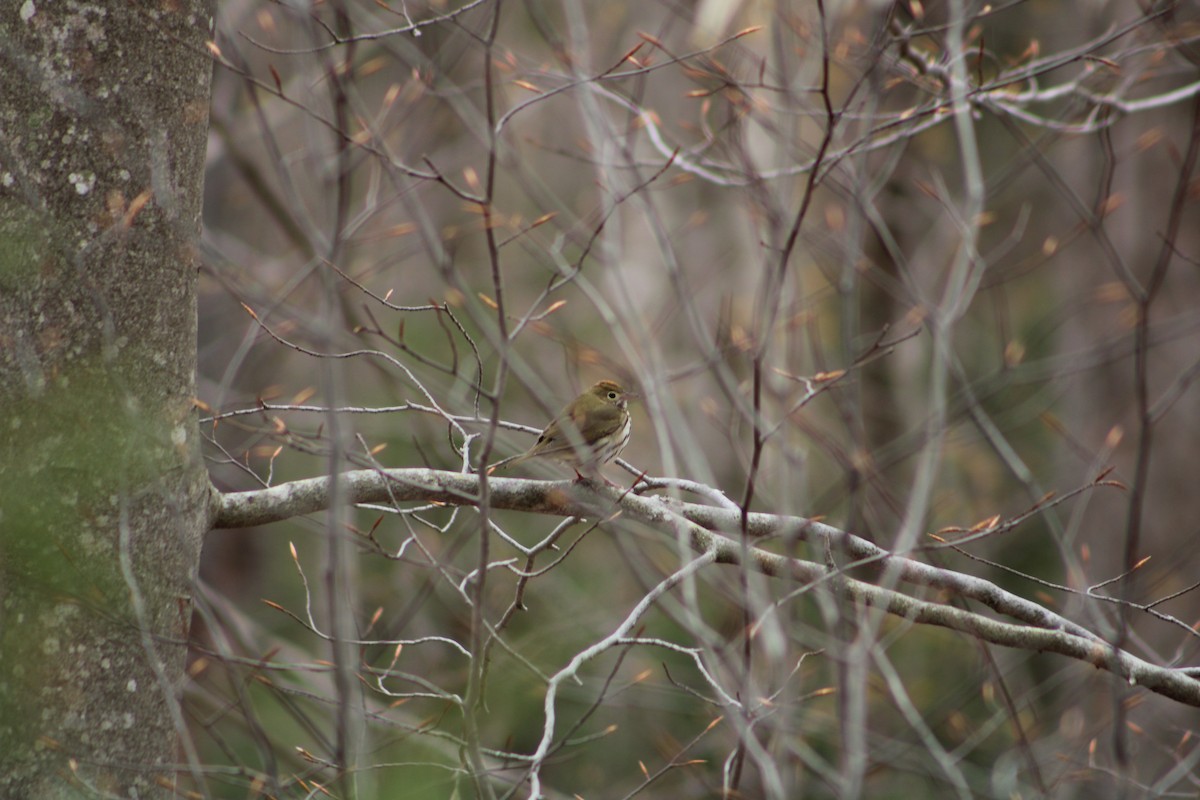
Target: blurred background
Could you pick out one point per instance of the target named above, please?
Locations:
(905, 267)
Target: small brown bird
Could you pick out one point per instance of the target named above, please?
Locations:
(592, 430)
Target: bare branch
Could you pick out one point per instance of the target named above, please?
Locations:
(700, 527)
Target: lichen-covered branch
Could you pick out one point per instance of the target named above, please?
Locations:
(705, 529)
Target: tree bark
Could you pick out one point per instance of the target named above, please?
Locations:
(103, 496)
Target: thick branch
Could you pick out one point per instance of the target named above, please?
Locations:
(702, 526)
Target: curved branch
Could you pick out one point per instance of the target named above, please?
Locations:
(703, 527)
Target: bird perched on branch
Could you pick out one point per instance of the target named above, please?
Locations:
(592, 430)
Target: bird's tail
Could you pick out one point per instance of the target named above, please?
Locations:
(505, 463)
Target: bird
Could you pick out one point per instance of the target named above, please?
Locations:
(591, 430)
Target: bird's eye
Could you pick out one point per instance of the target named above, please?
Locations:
(612, 395)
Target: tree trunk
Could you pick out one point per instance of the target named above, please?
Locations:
(103, 496)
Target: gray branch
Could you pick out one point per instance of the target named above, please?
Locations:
(708, 529)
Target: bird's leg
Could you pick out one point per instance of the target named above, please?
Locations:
(590, 477)
(592, 473)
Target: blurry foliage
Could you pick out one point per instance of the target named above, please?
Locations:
(639, 246)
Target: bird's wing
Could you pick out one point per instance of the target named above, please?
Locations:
(564, 434)
(608, 418)
(554, 439)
